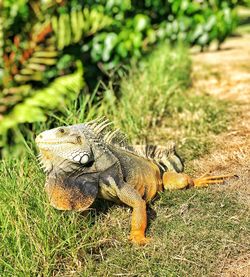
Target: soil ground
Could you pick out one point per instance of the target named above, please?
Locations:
(225, 74)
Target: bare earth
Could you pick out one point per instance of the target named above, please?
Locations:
(225, 74)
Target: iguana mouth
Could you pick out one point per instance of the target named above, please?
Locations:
(39, 141)
(50, 145)
(55, 142)
(43, 139)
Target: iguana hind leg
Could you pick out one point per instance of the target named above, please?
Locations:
(175, 181)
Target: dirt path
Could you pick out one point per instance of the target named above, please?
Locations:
(225, 74)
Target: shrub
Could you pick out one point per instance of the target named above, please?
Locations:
(42, 41)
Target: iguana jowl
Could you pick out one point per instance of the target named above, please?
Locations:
(83, 162)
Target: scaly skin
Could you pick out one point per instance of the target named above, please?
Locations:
(82, 163)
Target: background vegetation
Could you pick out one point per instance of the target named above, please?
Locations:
(53, 52)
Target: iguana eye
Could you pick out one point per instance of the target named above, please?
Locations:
(61, 132)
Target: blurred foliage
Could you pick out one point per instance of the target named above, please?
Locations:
(42, 41)
(51, 97)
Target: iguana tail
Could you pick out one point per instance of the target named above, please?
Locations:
(172, 167)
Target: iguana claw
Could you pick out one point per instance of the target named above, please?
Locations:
(139, 239)
(205, 180)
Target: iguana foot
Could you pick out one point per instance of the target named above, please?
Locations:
(139, 239)
(175, 181)
(205, 180)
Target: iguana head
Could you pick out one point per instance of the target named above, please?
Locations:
(64, 148)
(66, 154)
(73, 157)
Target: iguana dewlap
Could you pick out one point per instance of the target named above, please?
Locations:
(84, 161)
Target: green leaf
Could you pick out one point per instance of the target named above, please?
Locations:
(53, 97)
(141, 22)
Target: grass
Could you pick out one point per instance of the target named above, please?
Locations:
(193, 231)
(146, 92)
(192, 120)
(155, 104)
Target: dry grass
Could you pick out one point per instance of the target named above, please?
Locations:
(227, 76)
(231, 82)
(239, 267)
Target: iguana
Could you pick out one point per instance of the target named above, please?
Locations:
(85, 161)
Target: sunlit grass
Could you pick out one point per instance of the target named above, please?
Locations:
(192, 232)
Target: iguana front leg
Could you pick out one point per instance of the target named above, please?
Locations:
(129, 196)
